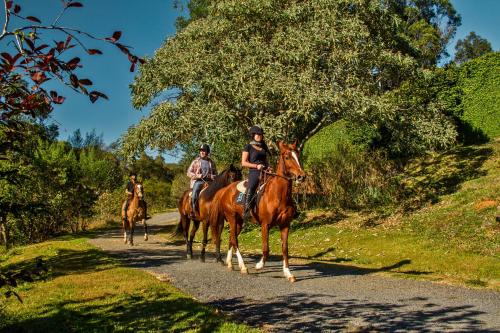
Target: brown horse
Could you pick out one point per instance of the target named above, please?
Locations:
(274, 208)
(226, 177)
(136, 212)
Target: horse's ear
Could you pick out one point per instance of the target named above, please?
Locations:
(294, 145)
(281, 145)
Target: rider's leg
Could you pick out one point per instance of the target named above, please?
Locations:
(253, 183)
(194, 196)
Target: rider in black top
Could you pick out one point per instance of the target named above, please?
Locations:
(254, 157)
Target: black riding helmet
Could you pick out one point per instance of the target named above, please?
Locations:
(132, 174)
(205, 148)
(255, 130)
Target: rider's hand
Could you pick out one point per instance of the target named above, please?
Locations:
(259, 166)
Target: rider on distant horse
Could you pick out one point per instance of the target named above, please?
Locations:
(254, 157)
(129, 190)
(201, 171)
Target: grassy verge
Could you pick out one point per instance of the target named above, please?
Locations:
(456, 240)
(87, 291)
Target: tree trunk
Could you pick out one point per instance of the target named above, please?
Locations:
(4, 234)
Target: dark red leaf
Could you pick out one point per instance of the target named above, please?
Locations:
(94, 95)
(59, 100)
(17, 9)
(94, 51)
(7, 57)
(60, 46)
(74, 80)
(34, 19)
(53, 94)
(123, 48)
(75, 4)
(38, 77)
(132, 67)
(30, 43)
(41, 47)
(73, 63)
(16, 57)
(67, 41)
(85, 82)
(9, 4)
(116, 36)
(132, 58)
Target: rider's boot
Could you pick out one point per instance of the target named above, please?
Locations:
(248, 206)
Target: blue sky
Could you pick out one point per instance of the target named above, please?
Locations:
(145, 25)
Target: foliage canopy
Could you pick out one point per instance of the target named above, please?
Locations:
(290, 66)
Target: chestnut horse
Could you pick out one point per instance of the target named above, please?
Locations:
(136, 212)
(226, 177)
(274, 208)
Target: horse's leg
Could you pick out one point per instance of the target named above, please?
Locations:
(196, 225)
(265, 246)
(205, 240)
(241, 263)
(124, 214)
(145, 228)
(186, 223)
(124, 226)
(132, 227)
(219, 229)
(284, 249)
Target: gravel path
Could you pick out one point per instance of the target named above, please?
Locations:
(327, 298)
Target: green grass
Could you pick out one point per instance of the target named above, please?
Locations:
(448, 234)
(88, 291)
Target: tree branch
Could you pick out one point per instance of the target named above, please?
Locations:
(7, 19)
(315, 130)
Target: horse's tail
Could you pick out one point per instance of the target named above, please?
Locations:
(180, 227)
(216, 216)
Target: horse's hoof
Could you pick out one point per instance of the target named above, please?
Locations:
(229, 267)
(292, 279)
(259, 265)
(189, 257)
(146, 238)
(202, 259)
(244, 270)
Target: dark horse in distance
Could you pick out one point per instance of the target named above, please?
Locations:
(225, 178)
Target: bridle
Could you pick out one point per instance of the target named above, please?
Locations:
(281, 176)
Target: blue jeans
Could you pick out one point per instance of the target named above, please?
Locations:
(197, 186)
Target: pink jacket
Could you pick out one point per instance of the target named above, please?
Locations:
(194, 170)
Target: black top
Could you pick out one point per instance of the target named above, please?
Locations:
(256, 156)
(130, 186)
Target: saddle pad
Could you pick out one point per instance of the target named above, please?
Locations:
(242, 186)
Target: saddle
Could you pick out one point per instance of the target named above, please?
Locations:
(242, 189)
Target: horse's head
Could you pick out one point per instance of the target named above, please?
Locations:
(289, 156)
(234, 173)
(139, 190)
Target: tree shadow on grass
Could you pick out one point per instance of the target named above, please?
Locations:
(442, 174)
(302, 312)
(151, 310)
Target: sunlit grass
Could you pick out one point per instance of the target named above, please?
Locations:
(88, 291)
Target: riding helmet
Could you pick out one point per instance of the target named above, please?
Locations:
(255, 130)
(205, 148)
(132, 173)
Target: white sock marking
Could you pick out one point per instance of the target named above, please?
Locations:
(260, 264)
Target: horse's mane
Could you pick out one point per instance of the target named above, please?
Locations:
(219, 182)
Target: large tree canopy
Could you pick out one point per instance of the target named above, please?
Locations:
(290, 66)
